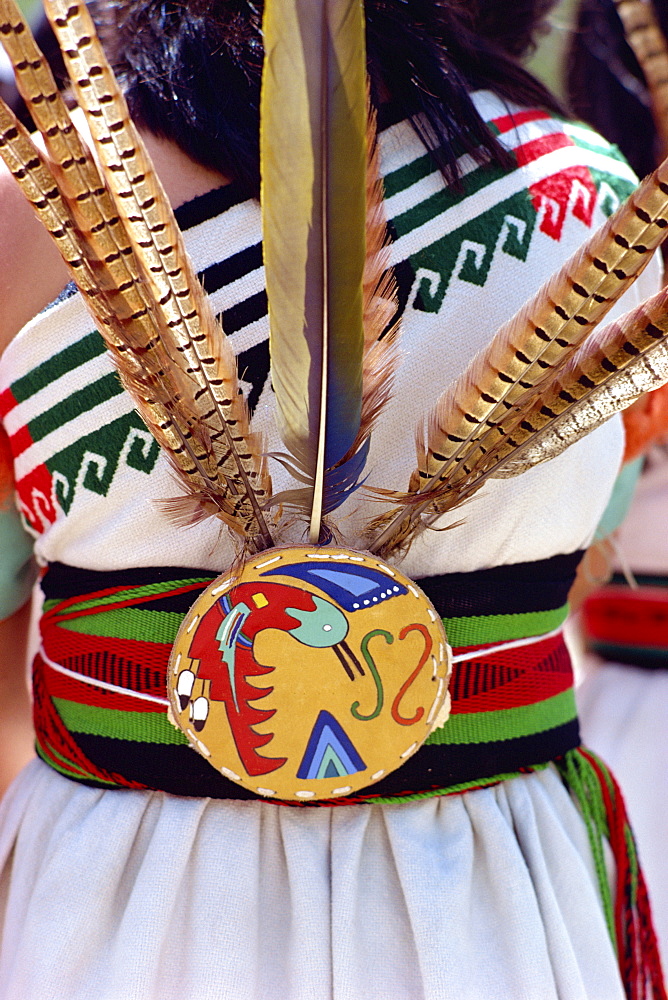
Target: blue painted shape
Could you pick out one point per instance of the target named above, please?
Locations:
(331, 770)
(356, 584)
(353, 587)
(330, 752)
(226, 637)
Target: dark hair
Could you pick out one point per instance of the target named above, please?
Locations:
(606, 87)
(512, 27)
(192, 70)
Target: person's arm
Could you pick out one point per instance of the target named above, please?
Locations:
(17, 576)
(16, 736)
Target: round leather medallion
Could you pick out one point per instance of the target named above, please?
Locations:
(310, 673)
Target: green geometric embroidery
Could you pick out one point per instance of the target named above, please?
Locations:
(439, 202)
(142, 453)
(468, 251)
(612, 190)
(92, 461)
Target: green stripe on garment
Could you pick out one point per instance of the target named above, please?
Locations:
(479, 629)
(74, 405)
(140, 727)
(436, 204)
(576, 135)
(404, 177)
(507, 723)
(149, 590)
(66, 361)
(138, 624)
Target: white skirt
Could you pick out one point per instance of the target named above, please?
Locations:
(623, 713)
(123, 895)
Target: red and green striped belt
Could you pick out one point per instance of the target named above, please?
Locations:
(100, 700)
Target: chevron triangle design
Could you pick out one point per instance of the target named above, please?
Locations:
(330, 752)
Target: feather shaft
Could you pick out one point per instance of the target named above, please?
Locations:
(616, 365)
(187, 320)
(313, 162)
(542, 334)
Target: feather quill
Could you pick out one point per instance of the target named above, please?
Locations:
(313, 166)
(543, 334)
(616, 365)
(177, 390)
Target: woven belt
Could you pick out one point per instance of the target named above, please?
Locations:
(100, 691)
(629, 626)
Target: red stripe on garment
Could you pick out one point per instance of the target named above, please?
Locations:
(521, 676)
(63, 686)
(535, 148)
(506, 123)
(7, 402)
(111, 660)
(20, 441)
(628, 617)
(59, 610)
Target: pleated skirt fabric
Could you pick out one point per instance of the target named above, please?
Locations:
(124, 895)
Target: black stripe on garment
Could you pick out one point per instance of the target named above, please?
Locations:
(244, 313)
(206, 206)
(532, 586)
(61, 581)
(232, 268)
(503, 590)
(179, 770)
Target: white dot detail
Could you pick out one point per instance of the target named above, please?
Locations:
(268, 562)
(225, 771)
(304, 793)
